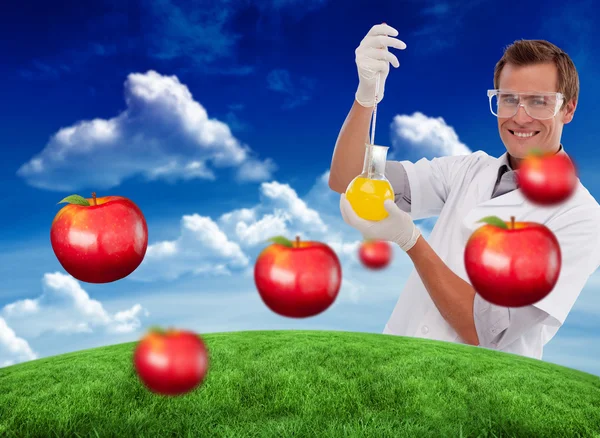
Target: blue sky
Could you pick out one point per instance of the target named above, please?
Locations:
(219, 121)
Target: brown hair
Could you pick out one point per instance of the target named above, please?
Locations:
(527, 52)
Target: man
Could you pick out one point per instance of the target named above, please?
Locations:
(538, 94)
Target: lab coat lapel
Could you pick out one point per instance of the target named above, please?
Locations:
(504, 206)
(480, 204)
(513, 198)
(487, 180)
(485, 183)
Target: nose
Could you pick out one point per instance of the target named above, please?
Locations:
(522, 117)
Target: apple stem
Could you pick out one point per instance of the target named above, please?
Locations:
(94, 196)
(297, 241)
(512, 222)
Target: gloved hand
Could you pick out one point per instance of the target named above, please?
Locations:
(398, 227)
(372, 56)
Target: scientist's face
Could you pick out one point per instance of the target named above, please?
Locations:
(547, 133)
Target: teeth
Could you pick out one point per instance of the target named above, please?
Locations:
(518, 134)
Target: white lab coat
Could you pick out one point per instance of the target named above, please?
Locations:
(458, 190)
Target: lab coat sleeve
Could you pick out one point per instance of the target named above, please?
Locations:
(490, 320)
(430, 182)
(497, 326)
(578, 235)
(398, 178)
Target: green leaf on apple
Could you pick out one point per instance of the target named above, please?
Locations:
(157, 329)
(494, 220)
(75, 199)
(281, 240)
(536, 152)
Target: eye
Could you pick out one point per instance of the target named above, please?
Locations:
(508, 99)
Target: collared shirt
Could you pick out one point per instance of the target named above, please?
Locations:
(507, 176)
(488, 316)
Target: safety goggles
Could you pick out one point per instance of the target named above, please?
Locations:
(538, 105)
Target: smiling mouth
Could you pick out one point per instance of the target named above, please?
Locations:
(527, 135)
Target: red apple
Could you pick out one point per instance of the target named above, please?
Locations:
(512, 264)
(298, 279)
(172, 362)
(375, 254)
(547, 179)
(99, 240)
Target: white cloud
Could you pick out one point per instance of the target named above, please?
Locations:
(426, 135)
(127, 320)
(257, 170)
(22, 307)
(205, 246)
(280, 212)
(202, 247)
(349, 249)
(351, 289)
(254, 232)
(164, 133)
(65, 307)
(13, 349)
(283, 195)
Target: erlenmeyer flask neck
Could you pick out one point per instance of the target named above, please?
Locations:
(375, 159)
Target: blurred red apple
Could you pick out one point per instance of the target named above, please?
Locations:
(512, 264)
(375, 254)
(99, 240)
(172, 362)
(547, 179)
(297, 279)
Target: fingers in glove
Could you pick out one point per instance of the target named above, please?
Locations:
(352, 219)
(382, 29)
(344, 204)
(392, 208)
(349, 215)
(389, 205)
(381, 55)
(382, 41)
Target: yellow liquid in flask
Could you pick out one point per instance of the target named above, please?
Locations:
(367, 195)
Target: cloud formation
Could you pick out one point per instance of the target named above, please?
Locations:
(13, 349)
(65, 307)
(163, 134)
(424, 136)
(229, 243)
(201, 247)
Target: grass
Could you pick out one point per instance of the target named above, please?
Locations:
(305, 384)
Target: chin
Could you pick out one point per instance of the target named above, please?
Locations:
(515, 150)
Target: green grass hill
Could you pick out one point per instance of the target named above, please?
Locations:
(294, 383)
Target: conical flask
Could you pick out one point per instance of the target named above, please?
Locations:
(367, 192)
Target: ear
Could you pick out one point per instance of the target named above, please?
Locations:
(569, 111)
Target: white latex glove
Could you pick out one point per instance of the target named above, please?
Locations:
(372, 56)
(398, 227)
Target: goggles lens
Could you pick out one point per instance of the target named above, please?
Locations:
(539, 106)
